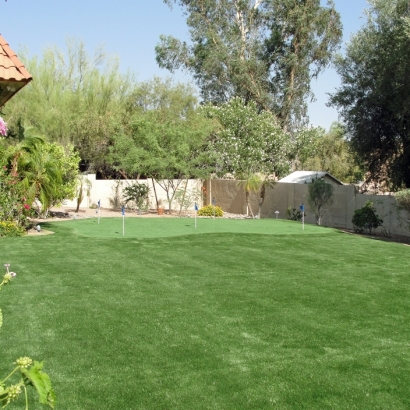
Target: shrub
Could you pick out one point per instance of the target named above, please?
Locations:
(403, 203)
(320, 196)
(365, 219)
(9, 228)
(211, 210)
(294, 214)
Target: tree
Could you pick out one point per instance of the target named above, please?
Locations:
(250, 183)
(248, 141)
(75, 99)
(46, 171)
(167, 140)
(374, 96)
(319, 196)
(318, 150)
(265, 51)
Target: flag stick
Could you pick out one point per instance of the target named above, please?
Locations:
(123, 220)
(99, 206)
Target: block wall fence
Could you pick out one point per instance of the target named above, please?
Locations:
(231, 198)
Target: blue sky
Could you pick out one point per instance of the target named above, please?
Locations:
(130, 29)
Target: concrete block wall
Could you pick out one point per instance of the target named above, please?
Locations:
(103, 190)
(231, 198)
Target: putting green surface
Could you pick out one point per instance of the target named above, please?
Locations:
(167, 227)
(239, 315)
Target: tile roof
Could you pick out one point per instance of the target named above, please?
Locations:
(13, 74)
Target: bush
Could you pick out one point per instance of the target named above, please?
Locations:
(210, 210)
(9, 228)
(403, 203)
(294, 214)
(365, 219)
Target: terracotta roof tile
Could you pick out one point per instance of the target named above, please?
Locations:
(13, 74)
(11, 68)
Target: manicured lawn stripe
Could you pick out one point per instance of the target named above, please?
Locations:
(212, 321)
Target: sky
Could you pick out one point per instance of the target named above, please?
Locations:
(130, 29)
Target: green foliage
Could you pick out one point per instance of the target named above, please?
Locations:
(248, 140)
(294, 214)
(30, 372)
(186, 198)
(403, 203)
(319, 196)
(373, 98)
(250, 183)
(11, 228)
(403, 199)
(47, 172)
(317, 150)
(14, 207)
(137, 193)
(260, 51)
(211, 210)
(365, 219)
(76, 99)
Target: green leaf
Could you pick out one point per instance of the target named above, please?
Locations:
(41, 382)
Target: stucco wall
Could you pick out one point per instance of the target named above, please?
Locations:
(103, 190)
(231, 198)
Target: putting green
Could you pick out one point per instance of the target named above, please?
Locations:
(167, 227)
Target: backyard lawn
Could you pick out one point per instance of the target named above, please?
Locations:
(233, 314)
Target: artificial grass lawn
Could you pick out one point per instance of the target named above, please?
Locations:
(223, 320)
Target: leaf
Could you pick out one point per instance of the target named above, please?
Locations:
(41, 382)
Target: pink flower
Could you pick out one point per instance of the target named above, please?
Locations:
(26, 206)
(3, 127)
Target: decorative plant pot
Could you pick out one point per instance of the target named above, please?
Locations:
(160, 211)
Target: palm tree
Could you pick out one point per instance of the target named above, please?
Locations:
(265, 182)
(250, 182)
(39, 171)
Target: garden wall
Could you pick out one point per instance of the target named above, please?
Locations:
(104, 190)
(346, 200)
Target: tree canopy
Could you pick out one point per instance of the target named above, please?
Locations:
(374, 96)
(248, 141)
(264, 51)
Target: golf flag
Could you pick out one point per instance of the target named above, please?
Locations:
(196, 209)
(214, 204)
(123, 220)
(99, 206)
(302, 208)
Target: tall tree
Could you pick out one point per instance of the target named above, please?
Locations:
(318, 150)
(248, 141)
(76, 99)
(264, 51)
(374, 98)
(166, 138)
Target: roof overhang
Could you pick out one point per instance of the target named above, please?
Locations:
(13, 74)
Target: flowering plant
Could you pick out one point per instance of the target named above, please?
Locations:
(3, 127)
(13, 203)
(30, 371)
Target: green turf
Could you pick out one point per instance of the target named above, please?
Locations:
(166, 227)
(219, 321)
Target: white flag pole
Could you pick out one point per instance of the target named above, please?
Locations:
(303, 216)
(99, 206)
(196, 208)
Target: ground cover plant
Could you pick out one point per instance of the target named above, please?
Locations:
(234, 319)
